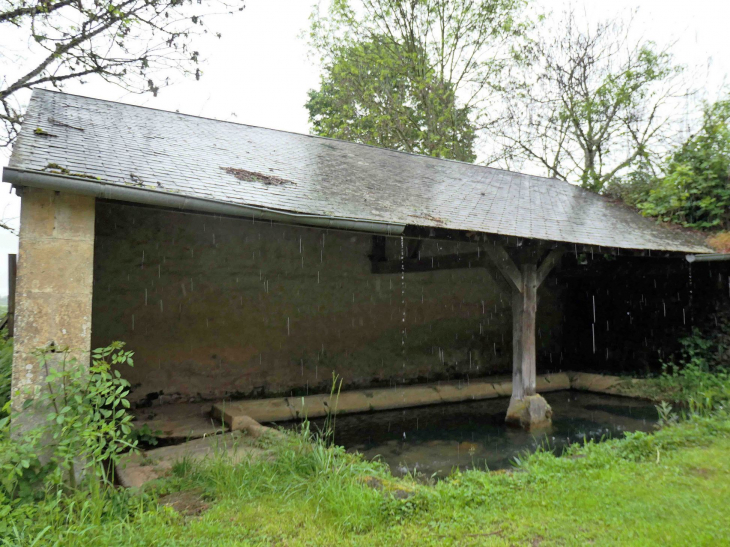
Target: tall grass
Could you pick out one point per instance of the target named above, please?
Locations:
(302, 468)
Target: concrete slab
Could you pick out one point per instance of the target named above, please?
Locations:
(179, 421)
(134, 470)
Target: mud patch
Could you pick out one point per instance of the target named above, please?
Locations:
(188, 502)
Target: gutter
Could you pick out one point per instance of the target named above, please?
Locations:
(144, 196)
(712, 257)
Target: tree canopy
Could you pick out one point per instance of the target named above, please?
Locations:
(369, 95)
(585, 104)
(695, 188)
(414, 75)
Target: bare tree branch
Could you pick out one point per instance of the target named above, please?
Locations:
(588, 99)
(136, 44)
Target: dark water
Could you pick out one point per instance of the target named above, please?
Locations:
(436, 439)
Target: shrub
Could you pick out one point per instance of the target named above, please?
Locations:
(698, 378)
(695, 192)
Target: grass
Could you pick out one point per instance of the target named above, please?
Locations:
(667, 488)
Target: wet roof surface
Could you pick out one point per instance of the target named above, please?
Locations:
(247, 165)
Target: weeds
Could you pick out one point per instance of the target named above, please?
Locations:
(6, 367)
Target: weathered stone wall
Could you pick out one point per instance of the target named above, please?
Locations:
(54, 282)
(217, 307)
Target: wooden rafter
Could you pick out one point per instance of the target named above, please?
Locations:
(548, 264)
(505, 265)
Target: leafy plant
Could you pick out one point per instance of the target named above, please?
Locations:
(698, 379)
(84, 424)
(145, 435)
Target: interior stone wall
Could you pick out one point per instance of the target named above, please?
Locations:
(220, 307)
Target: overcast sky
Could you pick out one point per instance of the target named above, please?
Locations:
(258, 72)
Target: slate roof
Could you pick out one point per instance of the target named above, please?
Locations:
(230, 162)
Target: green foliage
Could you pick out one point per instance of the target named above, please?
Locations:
(695, 191)
(77, 518)
(634, 187)
(302, 466)
(145, 436)
(83, 424)
(6, 368)
(666, 488)
(413, 76)
(379, 94)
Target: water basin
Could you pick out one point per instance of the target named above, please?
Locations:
(436, 439)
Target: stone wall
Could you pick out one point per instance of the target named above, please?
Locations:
(54, 283)
(218, 307)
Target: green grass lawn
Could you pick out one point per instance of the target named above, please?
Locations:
(669, 488)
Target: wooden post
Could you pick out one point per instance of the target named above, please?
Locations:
(529, 312)
(517, 311)
(12, 270)
(526, 407)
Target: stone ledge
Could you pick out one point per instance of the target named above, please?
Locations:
(351, 402)
(599, 383)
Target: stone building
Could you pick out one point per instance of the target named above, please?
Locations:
(238, 261)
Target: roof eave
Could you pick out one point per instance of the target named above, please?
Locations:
(146, 196)
(102, 189)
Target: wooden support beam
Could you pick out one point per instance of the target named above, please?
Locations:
(428, 263)
(527, 334)
(548, 264)
(518, 391)
(526, 408)
(503, 261)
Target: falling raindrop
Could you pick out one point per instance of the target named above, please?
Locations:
(593, 330)
(594, 308)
